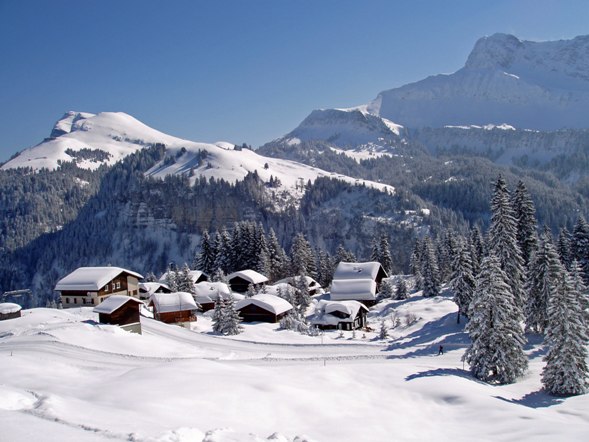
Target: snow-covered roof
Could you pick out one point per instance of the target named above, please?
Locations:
(311, 283)
(353, 289)
(152, 287)
(358, 270)
(283, 286)
(325, 309)
(172, 302)
(91, 278)
(206, 292)
(113, 303)
(193, 274)
(9, 307)
(249, 275)
(267, 302)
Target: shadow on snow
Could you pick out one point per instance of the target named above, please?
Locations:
(537, 399)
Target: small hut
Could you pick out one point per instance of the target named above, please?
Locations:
(341, 315)
(120, 310)
(9, 310)
(173, 308)
(207, 293)
(263, 308)
(240, 281)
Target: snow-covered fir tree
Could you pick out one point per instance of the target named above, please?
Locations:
(219, 276)
(477, 249)
(526, 224)
(429, 269)
(566, 371)
(207, 257)
(324, 268)
(171, 279)
(223, 250)
(463, 282)
(302, 298)
(226, 319)
(381, 252)
(496, 353)
(277, 259)
(343, 255)
(384, 331)
(302, 257)
(415, 264)
(401, 291)
(251, 291)
(544, 276)
(564, 248)
(502, 240)
(386, 290)
(580, 246)
(184, 281)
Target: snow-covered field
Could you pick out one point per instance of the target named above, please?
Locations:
(63, 377)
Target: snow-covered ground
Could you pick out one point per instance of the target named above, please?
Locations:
(63, 377)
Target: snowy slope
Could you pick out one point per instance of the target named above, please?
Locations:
(67, 378)
(535, 85)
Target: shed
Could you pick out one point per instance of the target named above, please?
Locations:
(240, 281)
(120, 310)
(9, 310)
(207, 293)
(174, 307)
(341, 315)
(263, 308)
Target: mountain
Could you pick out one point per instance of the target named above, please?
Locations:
(531, 85)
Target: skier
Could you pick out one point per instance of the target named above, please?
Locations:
(441, 350)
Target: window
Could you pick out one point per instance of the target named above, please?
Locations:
(67, 300)
(118, 285)
(75, 300)
(106, 288)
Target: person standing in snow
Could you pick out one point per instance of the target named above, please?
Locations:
(441, 350)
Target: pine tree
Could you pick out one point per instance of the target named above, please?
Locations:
(429, 270)
(401, 290)
(415, 264)
(564, 248)
(526, 224)
(278, 261)
(251, 291)
(545, 273)
(223, 251)
(207, 256)
(384, 331)
(477, 250)
(231, 318)
(219, 314)
(324, 268)
(580, 246)
(386, 289)
(463, 282)
(302, 298)
(386, 259)
(502, 241)
(567, 337)
(496, 354)
(302, 257)
(184, 281)
(343, 255)
(171, 279)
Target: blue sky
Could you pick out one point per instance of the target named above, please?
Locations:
(238, 70)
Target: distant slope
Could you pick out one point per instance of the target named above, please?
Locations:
(534, 85)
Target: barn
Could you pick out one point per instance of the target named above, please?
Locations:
(173, 308)
(240, 281)
(341, 315)
(120, 310)
(9, 310)
(263, 308)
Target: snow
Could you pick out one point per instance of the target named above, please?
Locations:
(91, 278)
(67, 378)
(114, 302)
(353, 289)
(266, 301)
(357, 270)
(7, 308)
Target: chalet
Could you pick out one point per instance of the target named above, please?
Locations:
(240, 281)
(341, 315)
(9, 310)
(313, 286)
(263, 308)
(146, 289)
(120, 310)
(195, 275)
(207, 293)
(92, 285)
(357, 282)
(173, 308)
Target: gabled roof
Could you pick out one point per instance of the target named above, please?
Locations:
(325, 308)
(9, 307)
(113, 303)
(311, 283)
(91, 278)
(359, 270)
(194, 275)
(270, 303)
(249, 275)
(206, 288)
(172, 302)
(152, 287)
(283, 286)
(353, 289)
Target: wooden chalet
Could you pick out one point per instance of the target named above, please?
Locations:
(9, 310)
(357, 282)
(207, 293)
(313, 286)
(120, 310)
(146, 289)
(92, 285)
(173, 308)
(240, 281)
(263, 308)
(340, 315)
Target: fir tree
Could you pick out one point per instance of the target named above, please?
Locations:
(219, 314)
(184, 281)
(207, 256)
(580, 246)
(463, 282)
(386, 289)
(502, 241)
(302, 298)
(545, 274)
(415, 264)
(231, 318)
(566, 369)
(277, 259)
(401, 290)
(526, 224)
(251, 291)
(386, 259)
(343, 255)
(302, 257)
(477, 249)
(384, 331)
(171, 279)
(496, 354)
(564, 248)
(429, 270)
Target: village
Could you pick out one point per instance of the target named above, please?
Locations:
(120, 297)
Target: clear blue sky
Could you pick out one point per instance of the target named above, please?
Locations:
(238, 70)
